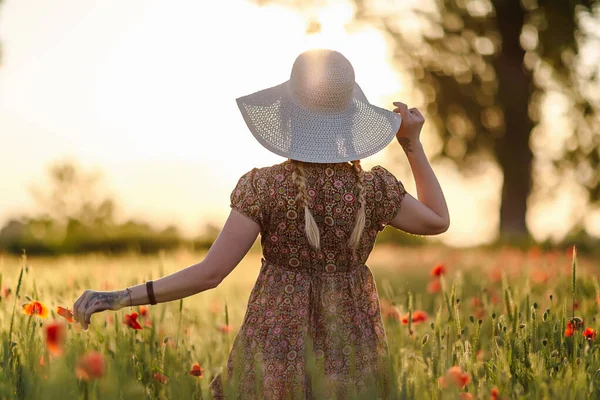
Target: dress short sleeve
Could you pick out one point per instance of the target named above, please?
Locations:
(245, 197)
(389, 193)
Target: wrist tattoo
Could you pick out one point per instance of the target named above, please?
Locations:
(109, 300)
(122, 296)
(405, 143)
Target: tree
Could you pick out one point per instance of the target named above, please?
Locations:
(72, 195)
(76, 218)
(483, 68)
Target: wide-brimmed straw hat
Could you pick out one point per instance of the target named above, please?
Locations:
(320, 114)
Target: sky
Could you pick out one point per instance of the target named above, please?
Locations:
(144, 92)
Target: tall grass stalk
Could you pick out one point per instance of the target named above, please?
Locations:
(410, 310)
(574, 323)
(179, 325)
(8, 343)
(574, 279)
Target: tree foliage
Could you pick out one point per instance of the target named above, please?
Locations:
(73, 194)
(483, 70)
(76, 218)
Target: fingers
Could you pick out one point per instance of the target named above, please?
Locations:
(415, 111)
(401, 108)
(406, 112)
(88, 314)
(79, 309)
(78, 302)
(412, 122)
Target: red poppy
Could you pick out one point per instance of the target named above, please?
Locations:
(225, 328)
(55, 338)
(6, 292)
(417, 317)
(465, 396)
(434, 286)
(569, 329)
(573, 325)
(90, 366)
(438, 270)
(494, 394)
(148, 323)
(131, 321)
(420, 316)
(35, 308)
(455, 376)
(143, 311)
(590, 333)
(65, 313)
(197, 370)
(160, 377)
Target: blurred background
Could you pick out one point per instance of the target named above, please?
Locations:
(119, 128)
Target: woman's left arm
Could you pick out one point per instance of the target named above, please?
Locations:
(230, 247)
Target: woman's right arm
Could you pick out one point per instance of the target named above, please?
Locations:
(429, 214)
(230, 247)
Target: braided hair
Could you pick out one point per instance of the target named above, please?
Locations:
(361, 216)
(312, 230)
(299, 180)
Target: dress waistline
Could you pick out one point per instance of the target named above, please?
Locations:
(314, 292)
(312, 271)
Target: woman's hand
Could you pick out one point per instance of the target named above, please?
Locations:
(92, 301)
(410, 129)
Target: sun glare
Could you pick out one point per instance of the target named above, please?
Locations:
(179, 106)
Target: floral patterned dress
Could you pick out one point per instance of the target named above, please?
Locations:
(313, 327)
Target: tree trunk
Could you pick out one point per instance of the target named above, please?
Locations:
(512, 150)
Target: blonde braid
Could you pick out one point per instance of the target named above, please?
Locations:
(361, 216)
(311, 228)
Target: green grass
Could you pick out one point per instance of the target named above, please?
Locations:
(501, 317)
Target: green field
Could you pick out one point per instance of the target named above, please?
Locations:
(500, 316)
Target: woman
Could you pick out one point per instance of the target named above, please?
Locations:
(313, 316)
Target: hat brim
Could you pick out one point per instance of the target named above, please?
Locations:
(291, 131)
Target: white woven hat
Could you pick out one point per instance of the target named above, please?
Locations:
(320, 114)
